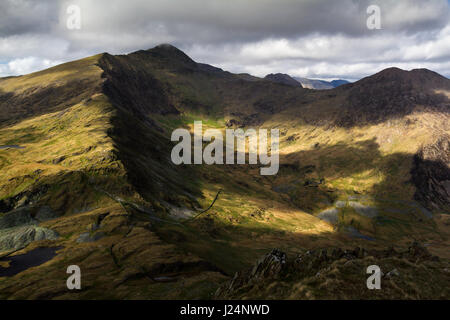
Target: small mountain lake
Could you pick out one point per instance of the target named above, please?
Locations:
(22, 262)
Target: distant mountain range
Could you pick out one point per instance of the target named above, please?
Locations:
(305, 82)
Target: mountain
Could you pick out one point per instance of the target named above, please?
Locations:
(320, 84)
(283, 78)
(87, 179)
(395, 93)
(339, 82)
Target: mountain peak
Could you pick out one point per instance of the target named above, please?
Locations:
(168, 51)
(166, 47)
(421, 79)
(394, 93)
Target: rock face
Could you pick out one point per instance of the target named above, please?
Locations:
(431, 175)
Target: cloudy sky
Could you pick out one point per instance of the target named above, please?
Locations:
(310, 38)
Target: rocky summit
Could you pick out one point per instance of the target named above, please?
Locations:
(87, 179)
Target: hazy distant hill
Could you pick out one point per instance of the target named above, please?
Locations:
(304, 82)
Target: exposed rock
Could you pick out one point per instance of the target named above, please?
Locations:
(14, 146)
(232, 123)
(270, 265)
(58, 160)
(313, 182)
(259, 213)
(292, 138)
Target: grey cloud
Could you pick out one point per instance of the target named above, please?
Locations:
(241, 35)
(248, 20)
(27, 16)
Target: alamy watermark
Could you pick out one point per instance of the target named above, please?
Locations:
(213, 152)
(374, 281)
(73, 21)
(74, 280)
